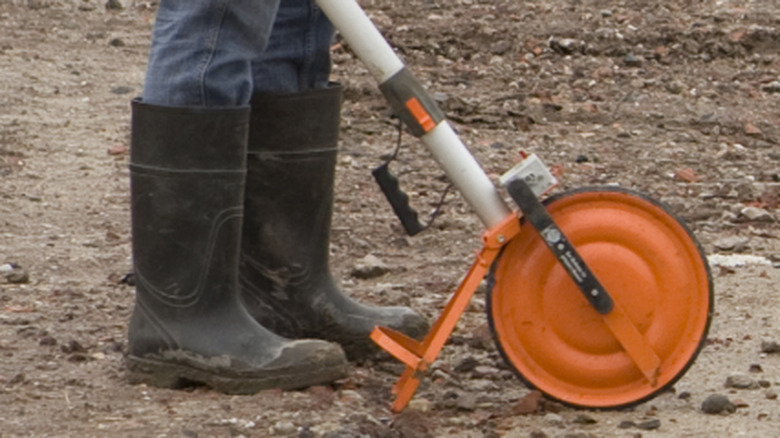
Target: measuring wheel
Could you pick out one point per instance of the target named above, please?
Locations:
(649, 263)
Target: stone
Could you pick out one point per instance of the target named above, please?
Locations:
(741, 381)
(631, 60)
(114, 5)
(716, 404)
(284, 427)
(649, 424)
(368, 267)
(732, 243)
(528, 404)
(675, 87)
(584, 419)
(554, 420)
(772, 87)
(770, 347)
(467, 402)
(467, 364)
(756, 214)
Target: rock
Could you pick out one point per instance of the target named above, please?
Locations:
(420, 404)
(467, 364)
(14, 273)
(732, 243)
(554, 420)
(716, 404)
(566, 46)
(584, 419)
(413, 424)
(770, 347)
(368, 267)
(528, 404)
(626, 424)
(467, 402)
(631, 60)
(284, 427)
(756, 214)
(649, 424)
(114, 5)
(675, 87)
(741, 381)
(122, 89)
(485, 371)
(772, 87)
(47, 341)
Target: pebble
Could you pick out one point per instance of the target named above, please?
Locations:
(756, 214)
(631, 60)
(567, 46)
(486, 371)
(368, 267)
(420, 404)
(467, 402)
(14, 273)
(741, 381)
(115, 5)
(675, 87)
(649, 424)
(772, 87)
(770, 347)
(528, 404)
(554, 420)
(584, 419)
(284, 428)
(467, 364)
(716, 404)
(732, 243)
(122, 89)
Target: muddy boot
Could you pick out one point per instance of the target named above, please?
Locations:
(284, 271)
(188, 326)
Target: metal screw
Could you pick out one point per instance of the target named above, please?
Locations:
(594, 292)
(500, 238)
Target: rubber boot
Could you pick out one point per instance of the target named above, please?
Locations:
(188, 325)
(284, 271)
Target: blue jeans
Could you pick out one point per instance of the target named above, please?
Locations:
(218, 53)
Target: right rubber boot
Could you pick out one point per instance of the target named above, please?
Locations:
(187, 176)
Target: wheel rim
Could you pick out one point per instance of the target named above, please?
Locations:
(646, 259)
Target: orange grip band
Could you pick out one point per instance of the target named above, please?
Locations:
(419, 113)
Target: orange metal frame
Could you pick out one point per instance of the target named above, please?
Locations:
(419, 355)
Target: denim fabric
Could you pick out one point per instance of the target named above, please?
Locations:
(218, 53)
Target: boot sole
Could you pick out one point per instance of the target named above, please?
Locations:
(172, 375)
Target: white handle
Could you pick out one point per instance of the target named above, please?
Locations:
(460, 166)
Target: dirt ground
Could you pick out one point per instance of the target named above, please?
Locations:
(679, 99)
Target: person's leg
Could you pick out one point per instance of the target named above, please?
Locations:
(202, 51)
(284, 271)
(187, 172)
(298, 53)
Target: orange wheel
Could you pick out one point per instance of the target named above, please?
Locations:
(648, 261)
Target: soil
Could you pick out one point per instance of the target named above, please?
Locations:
(678, 99)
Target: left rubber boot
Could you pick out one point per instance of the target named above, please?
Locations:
(284, 271)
